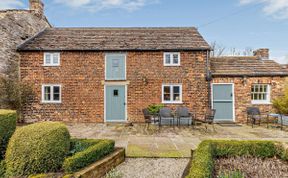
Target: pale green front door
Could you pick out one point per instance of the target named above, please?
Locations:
(223, 102)
(115, 105)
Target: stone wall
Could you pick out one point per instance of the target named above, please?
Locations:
(81, 75)
(17, 26)
(242, 92)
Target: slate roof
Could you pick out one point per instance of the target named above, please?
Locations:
(246, 66)
(116, 39)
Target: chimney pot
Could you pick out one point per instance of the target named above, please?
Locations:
(37, 6)
(262, 53)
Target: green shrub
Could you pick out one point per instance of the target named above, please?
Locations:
(78, 145)
(262, 149)
(88, 156)
(2, 168)
(202, 164)
(155, 108)
(281, 103)
(8, 121)
(233, 174)
(37, 148)
(202, 161)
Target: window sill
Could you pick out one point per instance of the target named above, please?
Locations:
(172, 102)
(261, 102)
(51, 102)
(172, 65)
(50, 65)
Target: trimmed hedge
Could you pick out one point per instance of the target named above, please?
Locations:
(202, 163)
(78, 145)
(2, 168)
(37, 148)
(88, 156)
(7, 127)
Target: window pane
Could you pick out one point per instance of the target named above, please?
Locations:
(265, 88)
(264, 96)
(56, 97)
(56, 89)
(167, 59)
(176, 97)
(47, 93)
(55, 58)
(252, 89)
(256, 88)
(175, 59)
(176, 89)
(56, 93)
(47, 59)
(167, 93)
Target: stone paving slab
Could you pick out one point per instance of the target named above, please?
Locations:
(142, 141)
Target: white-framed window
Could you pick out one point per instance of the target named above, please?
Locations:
(51, 59)
(51, 93)
(260, 94)
(171, 93)
(171, 59)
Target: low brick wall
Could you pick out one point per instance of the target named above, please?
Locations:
(101, 167)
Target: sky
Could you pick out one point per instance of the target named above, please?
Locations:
(232, 24)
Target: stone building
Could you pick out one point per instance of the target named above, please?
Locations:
(17, 26)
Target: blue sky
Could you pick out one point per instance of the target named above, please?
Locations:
(235, 23)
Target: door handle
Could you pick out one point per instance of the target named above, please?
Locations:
(124, 103)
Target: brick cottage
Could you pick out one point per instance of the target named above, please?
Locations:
(111, 74)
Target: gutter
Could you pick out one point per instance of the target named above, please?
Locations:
(251, 75)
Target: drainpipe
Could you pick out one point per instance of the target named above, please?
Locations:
(208, 78)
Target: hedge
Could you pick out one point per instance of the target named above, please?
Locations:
(7, 127)
(78, 145)
(88, 156)
(2, 168)
(202, 163)
(37, 148)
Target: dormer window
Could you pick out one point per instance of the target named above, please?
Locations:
(51, 59)
(171, 59)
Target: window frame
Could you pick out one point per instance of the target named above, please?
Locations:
(171, 101)
(268, 94)
(51, 57)
(171, 57)
(52, 93)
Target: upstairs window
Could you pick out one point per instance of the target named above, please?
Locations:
(171, 59)
(260, 94)
(51, 59)
(51, 93)
(172, 94)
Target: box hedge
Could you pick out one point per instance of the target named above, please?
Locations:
(8, 121)
(202, 163)
(2, 168)
(89, 155)
(37, 148)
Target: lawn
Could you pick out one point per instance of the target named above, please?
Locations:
(6, 111)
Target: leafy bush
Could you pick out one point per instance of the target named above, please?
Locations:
(88, 156)
(155, 108)
(8, 121)
(262, 149)
(78, 145)
(37, 148)
(202, 161)
(2, 168)
(234, 174)
(281, 103)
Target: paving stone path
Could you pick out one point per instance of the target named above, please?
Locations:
(141, 141)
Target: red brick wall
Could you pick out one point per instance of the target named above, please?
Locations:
(81, 75)
(242, 92)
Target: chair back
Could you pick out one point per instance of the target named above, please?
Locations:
(253, 111)
(182, 112)
(165, 112)
(210, 115)
(146, 112)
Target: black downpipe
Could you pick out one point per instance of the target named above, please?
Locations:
(208, 78)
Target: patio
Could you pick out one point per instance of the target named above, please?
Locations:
(141, 141)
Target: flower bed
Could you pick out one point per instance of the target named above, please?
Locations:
(202, 164)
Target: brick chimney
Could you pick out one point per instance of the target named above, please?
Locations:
(37, 6)
(262, 53)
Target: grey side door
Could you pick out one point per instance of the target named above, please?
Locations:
(223, 102)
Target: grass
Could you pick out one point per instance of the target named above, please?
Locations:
(6, 111)
(137, 151)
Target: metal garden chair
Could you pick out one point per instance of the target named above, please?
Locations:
(183, 113)
(166, 114)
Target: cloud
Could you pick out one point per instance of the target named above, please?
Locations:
(10, 4)
(98, 5)
(276, 8)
